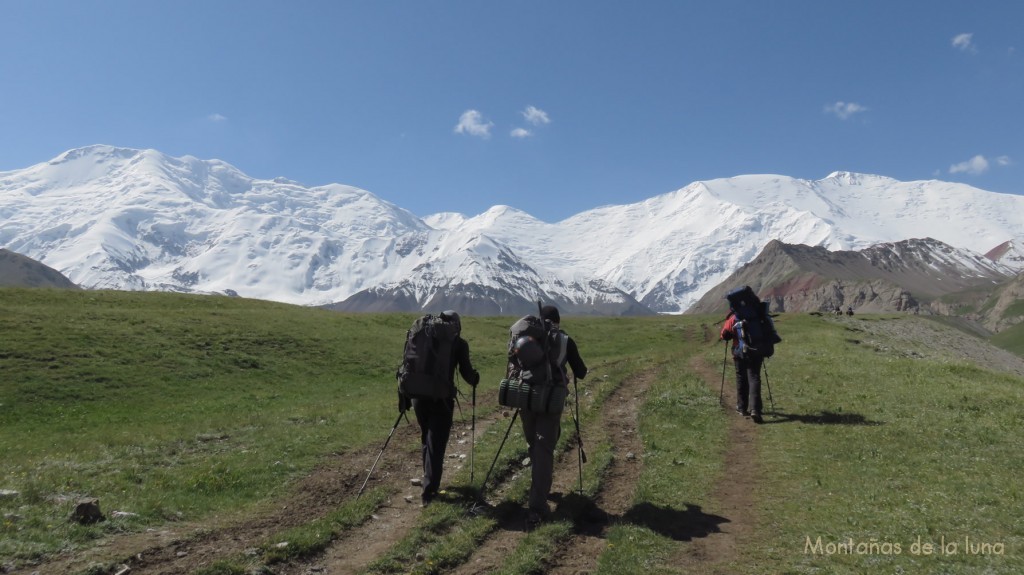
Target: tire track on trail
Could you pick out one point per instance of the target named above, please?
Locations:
(733, 497)
(358, 547)
(177, 548)
(621, 419)
(618, 423)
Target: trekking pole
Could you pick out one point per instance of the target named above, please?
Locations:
(472, 441)
(766, 382)
(483, 486)
(721, 389)
(372, 467)
(582, 457)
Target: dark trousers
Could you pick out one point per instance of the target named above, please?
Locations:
(435, 419)
(748, 383)
(541, 431)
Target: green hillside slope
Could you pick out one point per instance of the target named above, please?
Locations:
(884, 434)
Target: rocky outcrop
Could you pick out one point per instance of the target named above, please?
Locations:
(915, 276)
(17, 270)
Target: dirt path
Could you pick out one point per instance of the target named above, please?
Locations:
(733, 497)
(182, 548)
(620, 419)
(711, 548)
(617, 423)
(359, 547)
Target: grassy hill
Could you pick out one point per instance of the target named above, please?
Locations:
(192, 414)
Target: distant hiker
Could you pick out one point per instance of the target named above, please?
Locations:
(542, 430)
(753, 337)
(434, 348)
(849, 310)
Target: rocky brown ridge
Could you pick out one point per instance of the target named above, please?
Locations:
(917, 276)
(22, 271)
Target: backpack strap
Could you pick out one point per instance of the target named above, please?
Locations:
(560, 352)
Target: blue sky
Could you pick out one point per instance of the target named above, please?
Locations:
(552, 107)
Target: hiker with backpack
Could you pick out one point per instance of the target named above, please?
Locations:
(434, 348)
(750, 329)
(542, 429)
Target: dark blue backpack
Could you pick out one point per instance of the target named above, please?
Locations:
(754, 330)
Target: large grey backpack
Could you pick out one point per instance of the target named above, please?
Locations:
(535, 379)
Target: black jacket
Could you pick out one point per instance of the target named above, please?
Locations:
(460, 359)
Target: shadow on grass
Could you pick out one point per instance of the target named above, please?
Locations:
(676, 524)
(587, 518)
(821, 418)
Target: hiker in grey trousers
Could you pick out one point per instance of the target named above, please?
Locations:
(543, 429)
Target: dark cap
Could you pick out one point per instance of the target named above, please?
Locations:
(550, 313)
(453, 317)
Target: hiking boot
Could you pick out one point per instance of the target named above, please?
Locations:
(426, 500)
(756, 417)
(743, 411)
(533, 520)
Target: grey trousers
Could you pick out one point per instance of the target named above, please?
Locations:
(748, 384)
(542, 431)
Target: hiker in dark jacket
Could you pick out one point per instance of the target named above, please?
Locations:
(748, 373)
(435, 415)
(542, 430)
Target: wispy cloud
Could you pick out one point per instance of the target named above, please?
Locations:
(964, 42)
(536, 116)
(472, 123)
(217, 118)
(979, 165)
(845, 110)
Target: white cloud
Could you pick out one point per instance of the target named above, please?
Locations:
(521, 133)
(472, 123)
(963, 42)
(979, 165)
(976, 165)
(845, 110)
(217, 118)
(536, 116)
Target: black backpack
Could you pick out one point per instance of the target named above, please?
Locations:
(426, 360)
(754, 329)
(535, 379)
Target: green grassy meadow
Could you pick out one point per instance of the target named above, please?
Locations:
(191, 408)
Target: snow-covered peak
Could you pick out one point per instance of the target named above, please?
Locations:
(445, 220)
(139, 219)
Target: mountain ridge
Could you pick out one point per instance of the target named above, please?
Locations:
(18, 270)
(120, 218)
(917, 275)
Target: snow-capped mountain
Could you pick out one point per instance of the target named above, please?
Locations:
(119, 218)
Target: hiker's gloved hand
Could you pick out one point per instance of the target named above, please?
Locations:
(725, 336)
(475, 379)
(404, 403)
